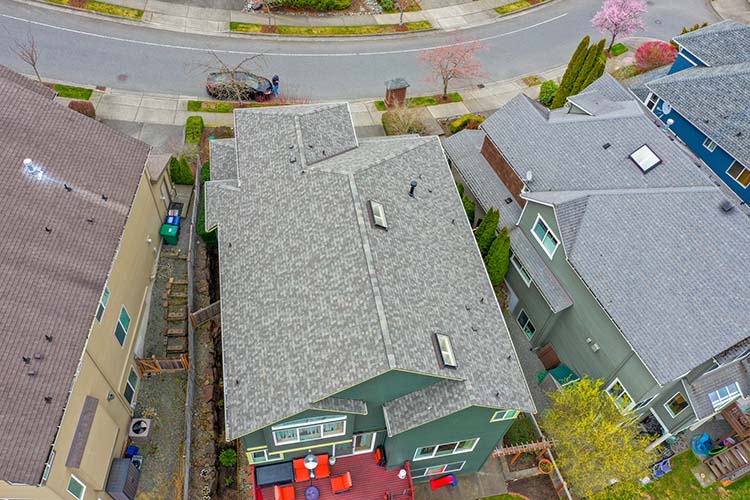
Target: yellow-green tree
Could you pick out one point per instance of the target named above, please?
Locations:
(595, 444)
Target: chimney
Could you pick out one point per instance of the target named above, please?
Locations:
(413, 187)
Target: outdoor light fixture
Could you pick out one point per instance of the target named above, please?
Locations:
(110, 396)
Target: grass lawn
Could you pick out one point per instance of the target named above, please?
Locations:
(114, 10)
(626, 72)
(618, 49)
(512, 7)
(681, 485)
(332, 30)
(428, 100)
(532, 81)
(73, 92)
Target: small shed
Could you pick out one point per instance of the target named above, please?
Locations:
(395, 92)
(123, 479)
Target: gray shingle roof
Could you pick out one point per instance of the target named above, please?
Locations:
(573, 155)
(316, 299)
(637, 83)
(700, 388)
(725, 42)
(667, 265)
(57, 276)
(715, 100)
(341, 405)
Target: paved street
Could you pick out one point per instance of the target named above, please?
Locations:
(132, 57)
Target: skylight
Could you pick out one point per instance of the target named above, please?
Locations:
(378, 214)
(645, 158)
(445, 348)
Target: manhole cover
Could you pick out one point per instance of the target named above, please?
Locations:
(122, 77)
(650, 3)
(658, 21)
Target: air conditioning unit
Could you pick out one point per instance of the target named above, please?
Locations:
(139, 428)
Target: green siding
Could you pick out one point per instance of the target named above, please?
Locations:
(683, 418)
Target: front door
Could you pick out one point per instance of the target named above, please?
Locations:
(363, 443)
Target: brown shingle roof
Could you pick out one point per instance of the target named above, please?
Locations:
(54, 262)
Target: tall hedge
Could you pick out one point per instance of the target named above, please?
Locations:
(593, 57)
(571, 73)
(485, 233)
(498, 258)
(180, 172)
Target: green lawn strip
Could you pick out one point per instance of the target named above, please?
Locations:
(428, 100)
(680, 484)
(73, 92)
(114, 10)
(372, 29)
(226, 106)
(58, 2)
(618, 49)
(513, 7)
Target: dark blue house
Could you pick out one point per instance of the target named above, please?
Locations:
(704, 98)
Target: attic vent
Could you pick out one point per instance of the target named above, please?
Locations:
(445, 351)
(606, 145)
(378, 214)
(645, 158)
(727, 206)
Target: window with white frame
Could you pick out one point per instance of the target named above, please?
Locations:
(652, 100)
(308, 429)
(525, 276)
(619, 395)
(76, 487)
(504, 415)
(123, 323)
(545, 237)
(262, 456)
(102, 305)
(445, 449)
(724, 395)
(131, 385)
(525, 323)
(437, 469)
(676, 404)
(709, 144)
(739, 173)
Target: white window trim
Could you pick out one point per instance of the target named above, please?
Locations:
(297, 427)
(612, 384)
(514, 414)
(736, 179)
(648, 101)
(525, 276)
(47, 468)
(538, 218)
(103, 306)
(440, 472)
(127, 384)
(435, 448)
(83, 492)
(372, 442)
(269, 456)
(127, 330)
(722, 402)
(709, 144)
(669, 410)
(523, 326)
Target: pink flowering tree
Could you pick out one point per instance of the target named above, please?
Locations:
(619, 17)
(654, 54)
(454, 62)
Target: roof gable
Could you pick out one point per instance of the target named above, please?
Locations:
(725, 42)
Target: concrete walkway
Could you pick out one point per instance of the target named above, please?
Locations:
(201, 20)
(739, 10)
(488, 481)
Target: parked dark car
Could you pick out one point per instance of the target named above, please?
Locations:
(221, 85)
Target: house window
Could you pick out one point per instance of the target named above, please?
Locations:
(308, 429)
(123, 322)
(258, 457)
(709, 144)
(445, 449)
(525, 323)
(102, 304)
(525, 276)
(676, 404)
(504, 415)
(724, 395)
(131, 385)
(739, 173)
(620, 396)
(438, 469)
(545, 237)
(76, 487)
(445, 348)
(652, 100)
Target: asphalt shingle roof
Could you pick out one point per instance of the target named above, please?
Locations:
(699, 389)
(725, 42)
(315, 299)
(715, 100)
(666, 264)
(52, 280)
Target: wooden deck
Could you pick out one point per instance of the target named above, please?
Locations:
(731, 463)
(369, 482)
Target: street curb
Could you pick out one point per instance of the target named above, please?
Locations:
(710, 5)
(309, 37)
(91, 12)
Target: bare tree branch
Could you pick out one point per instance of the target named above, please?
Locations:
(26, 50)
(234, 87)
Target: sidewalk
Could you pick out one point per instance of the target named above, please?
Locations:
(200, 20)
(739, 10)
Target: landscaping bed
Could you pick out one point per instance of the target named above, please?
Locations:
(71, 92)
(101, 8)
(429, 100)
(228, 106)
(370, 29)
(535, 488)
(516, 6)
(522, 431)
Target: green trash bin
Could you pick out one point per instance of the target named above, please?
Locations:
(169, 233)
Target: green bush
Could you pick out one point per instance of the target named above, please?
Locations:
(208, 237)
(228, 458)
(387, 5)
(466, 121)
(617, 49)
(206, 172)
(470, 209)
(485, 233)
(460, 188)
(193, 130)
(547, 92)
(321, 5)
(179, 171)
(498, 258)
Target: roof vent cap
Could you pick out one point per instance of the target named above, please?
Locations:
(727, 206)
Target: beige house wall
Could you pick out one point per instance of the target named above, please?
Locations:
(105, 365)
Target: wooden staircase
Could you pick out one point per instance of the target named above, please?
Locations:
(738, 420)
(731, 463)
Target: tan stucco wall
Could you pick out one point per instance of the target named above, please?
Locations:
(105, 364)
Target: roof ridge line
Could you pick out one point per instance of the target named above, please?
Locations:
(604, 192)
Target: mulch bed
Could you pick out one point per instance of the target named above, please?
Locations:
(535, 488)
(525, 461)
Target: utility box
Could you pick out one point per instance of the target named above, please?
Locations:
(395, 92)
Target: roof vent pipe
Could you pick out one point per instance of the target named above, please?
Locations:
(413, 187)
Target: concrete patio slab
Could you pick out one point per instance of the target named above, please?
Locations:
(489, 481)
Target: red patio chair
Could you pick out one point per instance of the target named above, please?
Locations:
(342, 483)
(283, 492)
(323, 470)
(301, 473)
